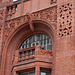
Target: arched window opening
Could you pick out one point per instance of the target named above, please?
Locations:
(38, 39)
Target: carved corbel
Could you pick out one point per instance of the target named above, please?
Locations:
(30, 18)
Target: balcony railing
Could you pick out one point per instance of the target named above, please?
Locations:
(33, 53)
(26, 54)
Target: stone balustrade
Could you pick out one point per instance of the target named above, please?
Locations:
(11, 10)
(26, 54)
(32, 53)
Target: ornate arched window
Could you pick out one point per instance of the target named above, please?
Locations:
(38, 39)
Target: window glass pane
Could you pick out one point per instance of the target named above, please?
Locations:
(20, 55)
(50, 42)
(38, 39)
(47, 41)
(41, 36)
(49, 47)
(41, 43)
(29, 53)
(44, 42)
(31, 39)
(26, 45)
(45, 47)
(44, 36)
(33, 53)
(22, 46)
(31, 73)
(28, 73)
(33, 44)
(47, 37)
(16, 0)
(29, 45)
(43, 73)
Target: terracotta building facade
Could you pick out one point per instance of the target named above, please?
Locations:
(37, 37)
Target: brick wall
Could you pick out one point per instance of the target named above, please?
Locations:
(64, 33)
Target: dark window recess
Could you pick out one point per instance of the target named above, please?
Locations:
(33, 53)
(29, 53)
(20, 55)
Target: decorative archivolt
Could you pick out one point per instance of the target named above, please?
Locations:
(49, 15)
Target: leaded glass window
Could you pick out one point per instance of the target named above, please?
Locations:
(38, 39)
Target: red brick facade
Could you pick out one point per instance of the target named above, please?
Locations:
(19, 20)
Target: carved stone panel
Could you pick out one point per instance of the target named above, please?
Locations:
(49, 15)
(65, 20)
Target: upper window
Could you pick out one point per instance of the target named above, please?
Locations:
(38, 39)
(16, 0)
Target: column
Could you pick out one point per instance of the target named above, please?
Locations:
(37, 70)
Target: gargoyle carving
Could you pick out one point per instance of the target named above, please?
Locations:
(30, 18)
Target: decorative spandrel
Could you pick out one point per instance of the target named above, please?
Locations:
(49, 15)
(65, 20)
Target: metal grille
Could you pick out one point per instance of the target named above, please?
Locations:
(38, 39)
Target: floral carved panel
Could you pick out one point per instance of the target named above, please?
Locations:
(49, 15)
(65, 20)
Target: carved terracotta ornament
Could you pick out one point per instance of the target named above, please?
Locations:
(11, 11)
(49, 15)
(1, 15)
(30, 18)
(65, 20)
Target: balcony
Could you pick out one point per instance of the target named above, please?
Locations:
(13, 10)
(36, 53)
